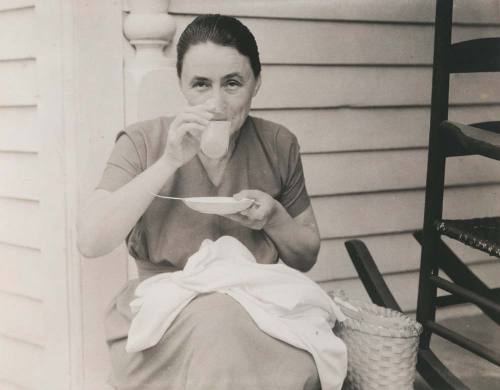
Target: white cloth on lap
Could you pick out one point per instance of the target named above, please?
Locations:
(283, 302)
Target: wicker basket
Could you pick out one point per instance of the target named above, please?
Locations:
(381, 345)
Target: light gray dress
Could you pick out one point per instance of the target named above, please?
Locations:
(213, 343)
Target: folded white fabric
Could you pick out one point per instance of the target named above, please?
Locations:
(283, 302)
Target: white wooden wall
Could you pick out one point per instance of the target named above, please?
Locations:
(22, 300)
(61, 88)
(352, 79)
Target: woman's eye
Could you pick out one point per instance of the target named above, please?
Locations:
(233, 84)
(200, 85)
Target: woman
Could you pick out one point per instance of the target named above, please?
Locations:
(213, 343)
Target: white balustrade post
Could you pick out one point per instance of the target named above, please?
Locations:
(151, 85)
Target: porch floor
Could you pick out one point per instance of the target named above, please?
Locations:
(475, 372)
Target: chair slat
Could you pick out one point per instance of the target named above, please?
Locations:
(493, 126)
(464, 342)
(466, 294)
(476, 55)
(463, 139)
(450, 299)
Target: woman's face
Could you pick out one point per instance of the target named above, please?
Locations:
(222, 74)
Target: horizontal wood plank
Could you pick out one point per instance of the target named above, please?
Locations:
(4, 385)
(398, 211)
(17, 34)
(421, 11)
(308, 86)
(21, 223)
(22, 319)
(20, 175)
(343, 129)
(355, 172)
(18, 129)
(404, 286)
(398, 252)
(18, 85)
(21, 270)
(8, 5)
(327, 43)
(20, 363)
(323, 42)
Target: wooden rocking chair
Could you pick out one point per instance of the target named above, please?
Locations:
(446, 140)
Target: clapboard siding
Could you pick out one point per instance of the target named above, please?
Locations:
(4, 385)
(333, 86)
(18, 129)
(328, 43)
(9, 5)
(349, 129)
(20, 271)
(20, 175)
(286, 86)
(404, 286)
(21, 222)
(419, 11)
(22, 319)
(20, 363)
(397, 211)
(18, 83)
(393, 253)
(371, 171)
(17, 29)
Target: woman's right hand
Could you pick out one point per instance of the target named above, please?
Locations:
(184, 134)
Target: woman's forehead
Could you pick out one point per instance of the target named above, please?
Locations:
(210, 60)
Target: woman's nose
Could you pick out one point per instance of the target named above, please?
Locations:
(219, 104)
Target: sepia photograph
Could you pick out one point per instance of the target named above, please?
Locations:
(249, 194)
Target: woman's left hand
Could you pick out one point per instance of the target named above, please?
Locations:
(259, 214)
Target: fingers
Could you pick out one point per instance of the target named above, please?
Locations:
(250, 194)
(246, 221)
(261, 205)
(192, 129)
(193, 119)
(255, 213)
(200, 117)
(242, 219)
(261, 210)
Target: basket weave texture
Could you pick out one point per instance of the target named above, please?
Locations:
(382, 346)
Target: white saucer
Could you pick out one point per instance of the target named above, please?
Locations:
(221, 205)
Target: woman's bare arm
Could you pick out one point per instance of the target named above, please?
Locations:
(297, 239)
(108, 217)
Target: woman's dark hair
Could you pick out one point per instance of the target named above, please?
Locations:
(222, 30)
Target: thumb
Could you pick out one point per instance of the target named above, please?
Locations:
(244, 194)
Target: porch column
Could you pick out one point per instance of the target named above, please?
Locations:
(151, 86)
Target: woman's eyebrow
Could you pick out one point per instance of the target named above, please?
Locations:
(199, 78)
(233, 75)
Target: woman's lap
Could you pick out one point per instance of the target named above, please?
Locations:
(213, 344)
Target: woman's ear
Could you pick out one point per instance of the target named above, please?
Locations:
(257, 85)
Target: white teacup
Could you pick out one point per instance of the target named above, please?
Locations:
(215, 139)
